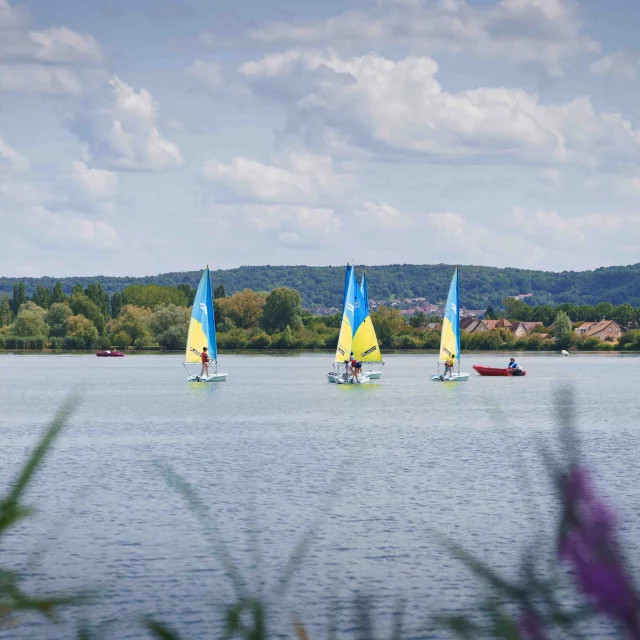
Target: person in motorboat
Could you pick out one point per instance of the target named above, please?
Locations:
(204, 356)
(514, 368)
(448, 365)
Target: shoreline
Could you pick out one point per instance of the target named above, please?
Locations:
(319, 352)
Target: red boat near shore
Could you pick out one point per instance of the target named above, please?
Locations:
(109, 354)
(493, 371)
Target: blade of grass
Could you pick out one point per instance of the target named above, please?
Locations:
(159, 629)
(10, 509)
(202, 512)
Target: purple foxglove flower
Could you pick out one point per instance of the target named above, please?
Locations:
(530, 626)
(589, 545)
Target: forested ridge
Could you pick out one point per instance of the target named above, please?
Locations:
(322, 286)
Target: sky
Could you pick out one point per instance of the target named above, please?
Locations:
(146, 136)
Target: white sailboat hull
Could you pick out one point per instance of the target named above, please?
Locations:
(363, 378)
(455, 377)
(374, 375)
(216, 377)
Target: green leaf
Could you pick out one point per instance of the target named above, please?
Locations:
(485, 573)
(10, 509)
(202, 512)
(159, 629)
(460, 625)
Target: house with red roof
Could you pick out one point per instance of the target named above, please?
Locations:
(608, 330)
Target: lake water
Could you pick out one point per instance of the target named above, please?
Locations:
(378, 472)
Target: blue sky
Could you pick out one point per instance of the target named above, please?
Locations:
(145, 136)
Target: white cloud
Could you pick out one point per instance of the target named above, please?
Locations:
(97, 183)
(132, 105)
(398, 106)
(94, 233)
(297, 177)
(11, 156)
(12, 17)
(122, 133)
(544, 32)
(383, 215)
(290, 238)
(550, 227)
(317, 221)
(619, 64)
(37, 78)
(42, 61)
(57, 45)
(208, 74)
(447, 223)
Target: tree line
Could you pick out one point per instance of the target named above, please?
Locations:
(322, 286)
(154, 316)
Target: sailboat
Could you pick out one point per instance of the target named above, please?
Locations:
(202, 332)
(351, 300)
(450, 338)
(365, 343)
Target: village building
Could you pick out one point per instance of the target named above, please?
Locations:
(608, 330)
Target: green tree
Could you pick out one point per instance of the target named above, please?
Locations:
(571, 310)
(282, 308)
(235, 339)
(5, 311)
(418, 319)
(189, 292)
(562, 329)
(517, 309)
(153, 296)
(57, 294)
(170, 326)
(96, 293)
(624, 314)
(116, 304)
(285, 339)
(544, 313)
(387, 323)
(56, 318)
(19, 297)
(219, 292)
(260, 340)
(134, 321)
(77, 289)
(122, 339)
(81, 305)
(42, 297)
(431, 340)
(30, 323)
(245, 308)
(604, 310)
(490, 313)
(81, 332)
(585, 313)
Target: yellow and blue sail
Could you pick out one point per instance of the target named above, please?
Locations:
(365, 343)
(202, 326)
(345, 339)
(450, 339)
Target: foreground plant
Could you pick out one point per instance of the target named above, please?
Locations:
(538, 605)
(14, 600)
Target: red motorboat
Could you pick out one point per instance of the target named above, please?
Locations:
(109, 354)
(493, 371)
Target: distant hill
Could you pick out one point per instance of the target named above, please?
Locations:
(322, 286)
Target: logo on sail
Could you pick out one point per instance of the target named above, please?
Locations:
(453, 307)
(203, 306)
(368, 351)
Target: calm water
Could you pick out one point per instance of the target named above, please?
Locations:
(375, 470)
